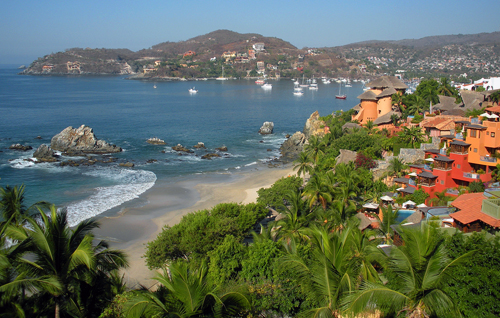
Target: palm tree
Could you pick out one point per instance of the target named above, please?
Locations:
(186, 292)
(387, 219)
(296, 217)
(421, 269)
(12, 205)
(446, 89)
(441, 199)
(315, 148)
(495, 97)
(303, 164)
(317, 190)
(396, 167)
(331, 272)
(68, 256)
(412, 136)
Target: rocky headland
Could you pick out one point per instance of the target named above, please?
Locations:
(79, 141)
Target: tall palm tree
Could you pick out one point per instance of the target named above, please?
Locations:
(69, 256)
(186, 292)
(12, 207)
(396, 167)
(412, 136)
(296, 217)
(317, 190)
(386, 220)
(441, 199)
(420, 269)
(446, 89)
(315, 148)
(303, 164)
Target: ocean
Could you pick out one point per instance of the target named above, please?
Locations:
(127, 113)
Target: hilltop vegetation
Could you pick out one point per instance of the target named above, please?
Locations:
(475, 55)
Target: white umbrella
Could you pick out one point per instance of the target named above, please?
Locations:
(429, 159)
(421, 205)
(485, 115)
(370, 206)
(413, 174)
(399, 189)
(409, 202)
(494, 116)
(386, 198)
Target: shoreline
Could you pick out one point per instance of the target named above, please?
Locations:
(134, 226)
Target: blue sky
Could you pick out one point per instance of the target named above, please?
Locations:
(33, 28)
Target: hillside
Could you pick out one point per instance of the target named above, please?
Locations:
(447, 55)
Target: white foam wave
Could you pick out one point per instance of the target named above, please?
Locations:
(132, 184)
(251, 164)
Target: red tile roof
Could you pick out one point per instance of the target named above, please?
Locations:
(469, 206)
(495, 109)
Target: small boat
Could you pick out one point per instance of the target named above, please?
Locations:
(154, 86)
(193, 91)
(326, 81)
(298, 91)
(340, 95)
(260, 82)
(303, 84)
(313, 86)
(267, 86)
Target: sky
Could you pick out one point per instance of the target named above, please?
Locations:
(33, 28)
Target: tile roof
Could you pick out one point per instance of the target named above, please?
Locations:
(469, 206)
(495, 109)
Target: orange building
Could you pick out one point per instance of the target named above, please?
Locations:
(377, 101)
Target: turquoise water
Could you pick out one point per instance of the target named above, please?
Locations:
(127, 113)
(403, 215)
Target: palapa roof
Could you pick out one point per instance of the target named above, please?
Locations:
(387, 92)
(475, 126)
(357, 107)
(365, 221)
(350, 126)
(386, 118)
(368, 95)
(415, 217)
(470, 210)
(409, 190)
(387, 81)
(472, 99)
(454, 112)
(401, 180)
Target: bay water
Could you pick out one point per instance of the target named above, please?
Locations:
(128, 112)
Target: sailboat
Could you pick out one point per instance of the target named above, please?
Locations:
(222, 78)
(303, 84)
(340, 95)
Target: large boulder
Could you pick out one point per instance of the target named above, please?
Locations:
(181, 148)
(81, 141)
(292, 147)
(267, 128)
(314, 126)
(44, 154)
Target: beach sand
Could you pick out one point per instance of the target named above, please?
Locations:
(167, 203)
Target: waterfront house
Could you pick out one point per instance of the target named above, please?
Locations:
(377, 100)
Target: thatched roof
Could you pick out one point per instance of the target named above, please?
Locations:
(415, 217)
(368, 95)
(387, 81)
(385, 119)
(365, 221)
(346, 156)
(387, 92)
(349, 126)
(472, 99)
(454, 112)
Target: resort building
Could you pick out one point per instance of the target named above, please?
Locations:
(377, 100)
(477, 211)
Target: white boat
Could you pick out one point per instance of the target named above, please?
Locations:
(222, 78)
(348, 85)
(260, 82)
(193, 91)
(303, 84)
(154, 86)
(326, 81)
(298, 91)
(313, 86)
(340, 95)
(267, 86)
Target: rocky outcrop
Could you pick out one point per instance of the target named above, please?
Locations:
(200, 145)
(210, 156)
(314, 126)
(77, 141)
(156, 141)
(20, 147)
(223, 148)
(292, 147)
(45, 154)
(181, 148)
(126, 164)
(267, 128)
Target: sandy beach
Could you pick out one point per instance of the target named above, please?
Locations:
(166, 203)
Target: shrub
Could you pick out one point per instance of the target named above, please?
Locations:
(363, 161)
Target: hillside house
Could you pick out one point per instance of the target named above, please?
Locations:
(377, 101)
(258, 47)
(477, 212)
(189, 53)
(73, 66)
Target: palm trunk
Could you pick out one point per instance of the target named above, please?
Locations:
(57, 310)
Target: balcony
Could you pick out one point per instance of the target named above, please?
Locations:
(472, 175)
(492, 207)
(412, 182)
(487, 159)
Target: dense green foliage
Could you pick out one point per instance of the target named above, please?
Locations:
(201, 232)
(273, 196)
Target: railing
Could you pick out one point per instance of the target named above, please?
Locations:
(487, 159)
(452, 191)
(491, 207)
(471, 175)
(412, 182)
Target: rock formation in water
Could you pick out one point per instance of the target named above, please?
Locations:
(267, 128)
(76, 141)
(44, 154)
(314, 126)
(20, 147)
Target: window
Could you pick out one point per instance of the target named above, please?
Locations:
(458, 166)
(487, 133)
(492, 134)
(442, 181)
(472, 133)
(475, 149)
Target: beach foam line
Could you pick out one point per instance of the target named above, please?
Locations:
(132, 184)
